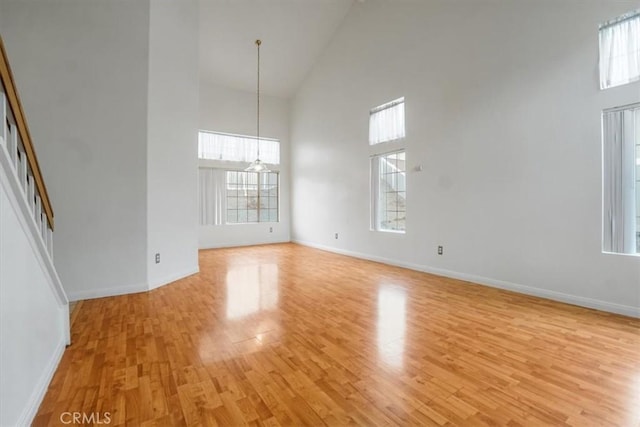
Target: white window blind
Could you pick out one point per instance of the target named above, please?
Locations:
(211, 196)
(621, 200)
(386, 122)
(237, 148)
(620, 51)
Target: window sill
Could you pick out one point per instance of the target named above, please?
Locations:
(390, 231)
(636, 255)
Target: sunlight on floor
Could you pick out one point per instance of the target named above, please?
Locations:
(250, 289)
(391, 326)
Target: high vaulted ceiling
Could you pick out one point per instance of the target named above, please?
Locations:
(293, 33)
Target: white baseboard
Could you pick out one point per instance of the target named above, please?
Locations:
(41, 387)
(172, 278)
(242, 244)
(129, 289)
(107, 292)
(610, 307)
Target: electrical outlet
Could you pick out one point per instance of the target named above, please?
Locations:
(439, 250)
(336, 236)
(157, 258)
(270, 229)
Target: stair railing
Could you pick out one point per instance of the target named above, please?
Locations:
(16, 140)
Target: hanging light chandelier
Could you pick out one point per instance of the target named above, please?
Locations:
(257, 165)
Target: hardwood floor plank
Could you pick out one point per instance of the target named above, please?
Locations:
(281, 335)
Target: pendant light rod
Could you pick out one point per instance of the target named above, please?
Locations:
(258, 43)
(257, 165)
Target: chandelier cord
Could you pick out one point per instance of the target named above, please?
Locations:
(258, 43)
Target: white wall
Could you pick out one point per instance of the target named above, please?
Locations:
(172, 141)
(33, 320)
(82, 70)
(110, 89)
(233, 111)
(503, 114)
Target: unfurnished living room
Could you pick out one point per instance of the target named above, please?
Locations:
(320, 212)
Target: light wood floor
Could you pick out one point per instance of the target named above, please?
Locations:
(288, 335)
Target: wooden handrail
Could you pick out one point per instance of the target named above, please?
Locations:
(21, 123)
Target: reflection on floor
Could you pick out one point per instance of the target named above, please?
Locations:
(250, 289)
(391, 324)
(289, 335)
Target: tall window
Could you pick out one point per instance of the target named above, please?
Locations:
(390, 192)
(228, 194)
(386, 122)
(388, 171)
(620, 50)
(252, 197)
(621, 180)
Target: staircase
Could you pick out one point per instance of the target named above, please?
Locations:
(34, 309)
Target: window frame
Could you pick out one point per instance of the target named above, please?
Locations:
(375, 176)
(258, 198)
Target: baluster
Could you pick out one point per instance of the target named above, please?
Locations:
(13, 144)
(38, 211)
(31, 192)
(22, 171)
(43, 228)
(3, 118)
(50, 242)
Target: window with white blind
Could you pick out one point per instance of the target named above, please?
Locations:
(227, 194)
(621, 180)
(237, 148)
(620, 50)
(386, 122)
(238, 197)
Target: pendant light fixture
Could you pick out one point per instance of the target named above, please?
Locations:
(257, 165)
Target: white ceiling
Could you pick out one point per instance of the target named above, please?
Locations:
(293, 33)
